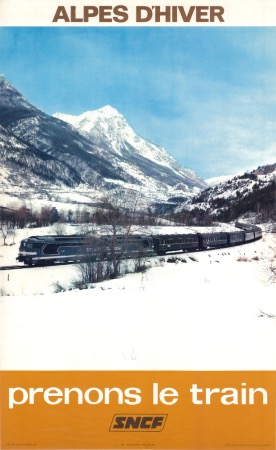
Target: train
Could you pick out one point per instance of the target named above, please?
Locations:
(42, 250)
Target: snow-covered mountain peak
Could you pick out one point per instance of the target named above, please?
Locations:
(109, 111)
(101, 119)
(108, 128)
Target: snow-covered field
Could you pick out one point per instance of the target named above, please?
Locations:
(210, 310)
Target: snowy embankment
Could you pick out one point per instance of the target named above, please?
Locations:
(210, 310)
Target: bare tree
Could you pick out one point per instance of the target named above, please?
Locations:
(12, 234)
(22, 215)
(95, 265)
(45, 215)
(120, 217)
(268, 263)
(59, 228)
(271, 268)
(5, 233)
(104, 253)
(62, 216)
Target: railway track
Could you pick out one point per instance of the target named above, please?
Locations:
(15, 267)
(174, 253)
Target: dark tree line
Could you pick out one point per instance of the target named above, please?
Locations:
(22, 216)
(261, 201)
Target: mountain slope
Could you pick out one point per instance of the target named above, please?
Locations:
(24, 164)
(253, 192)
(97, 150)
(51, 136)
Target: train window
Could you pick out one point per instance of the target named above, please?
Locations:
(145, 243)
(34, 245)
(191, 240)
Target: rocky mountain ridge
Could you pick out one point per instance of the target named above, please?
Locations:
(250, 193)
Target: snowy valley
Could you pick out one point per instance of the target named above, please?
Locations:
(212, 310)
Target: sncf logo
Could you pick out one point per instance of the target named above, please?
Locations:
(138, 422)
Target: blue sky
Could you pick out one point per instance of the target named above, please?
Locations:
(208, 95)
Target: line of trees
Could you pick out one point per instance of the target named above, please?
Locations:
(24, 216)
(13, 218)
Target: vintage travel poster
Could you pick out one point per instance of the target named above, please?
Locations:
(137, 224)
